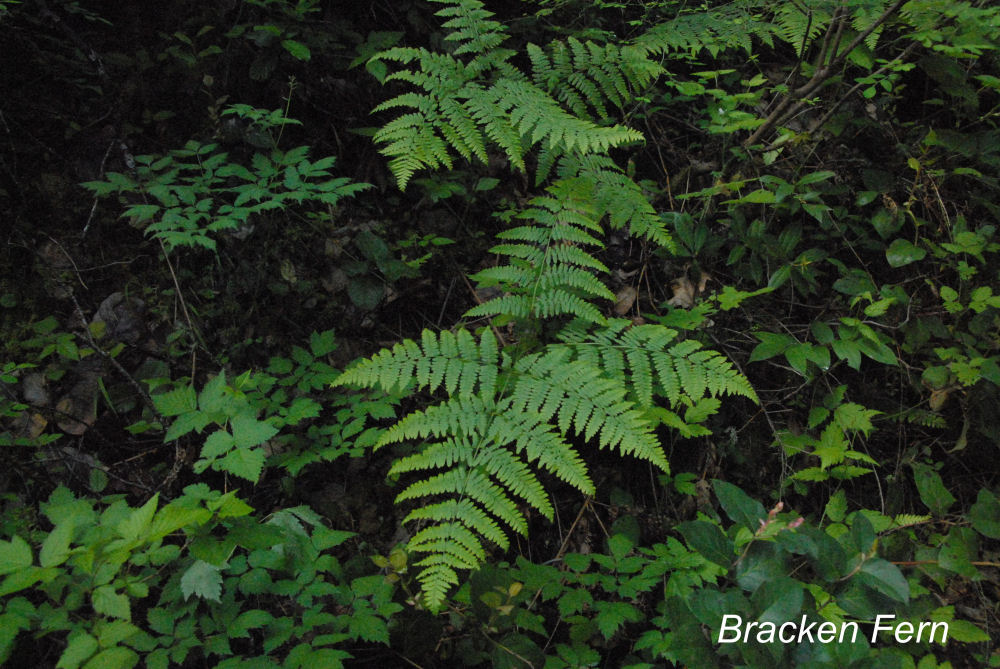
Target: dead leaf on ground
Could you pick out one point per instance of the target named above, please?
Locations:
(683, 293)
(625, 299)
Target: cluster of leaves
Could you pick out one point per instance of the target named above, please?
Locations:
(200, 577)
(648, 604)
(198, 191)
(873, 325)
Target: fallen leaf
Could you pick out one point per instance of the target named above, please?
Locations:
(625, 299)
(683, 293)
(938, 397)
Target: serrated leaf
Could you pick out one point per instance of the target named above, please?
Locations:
(247, 621)
(80, 647)
(248, 431)
(107, 601)
(217, 443)
(966, 632)
(14, 555)
(138, 520)
(176, 402)
(202, 580)
(55, 548)
(213, 398)
(836, 508)
(247, 463)
(366, 626)
(117, 657)
(612, 615)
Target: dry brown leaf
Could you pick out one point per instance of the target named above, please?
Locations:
(683, 293)
(625, 299)
(938, 397)
(74, 418)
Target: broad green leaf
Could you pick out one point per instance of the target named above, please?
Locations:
(822, 332)
(173, 517)
(80, 647)
(176, 402)
(849, 351)
(862, 532)
(612, 615)
(202, 580)
(117, 657)
(213, 398)
(248, 431)
(966, 632)
(297, 49)
(161, 620)
(781, 600)
(959, 550)
(931, 488)
(322, 343)
(985, 515)
(902, 252)
(55, 548)
(836, 508)
(246, 463)
(885, 577)
(366, 626)
(193, 420)
(139, 520)
(14, 555)
(217, 443)
(739, 506)
(815, 177)
(365, 292)
(110, 603)
(771, 344)
(759, 196)
(708, 539)
(247, 621)
(798, 357)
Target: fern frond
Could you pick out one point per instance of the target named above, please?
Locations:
(541, 443)
(586, 75)
(580, 398)
(726, 27)
(649, 360)
(613, 194)
(549, 274)
(456, 362)
(465, 511)
(471, 26)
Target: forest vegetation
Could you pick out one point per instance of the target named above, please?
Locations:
(533, 333)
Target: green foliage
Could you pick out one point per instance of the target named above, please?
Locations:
(468, 105)
(716, 29)
(237, 445)
(197, 578)
(193, 193)
(504, 415)
(285, 417)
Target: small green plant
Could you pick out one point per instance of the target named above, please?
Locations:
(198, 578)
(191, 195)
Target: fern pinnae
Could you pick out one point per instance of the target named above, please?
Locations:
(465, 511)
(541, 443)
